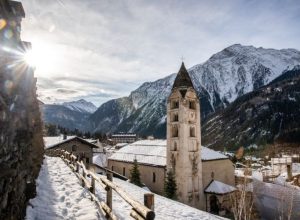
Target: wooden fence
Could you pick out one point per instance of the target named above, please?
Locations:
(138, 212)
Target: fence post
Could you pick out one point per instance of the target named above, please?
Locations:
(84, 176)
(149, 200)
(92, 189)
(109, 191)
(77, 167)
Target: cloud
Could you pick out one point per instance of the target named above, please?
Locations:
(115, 46)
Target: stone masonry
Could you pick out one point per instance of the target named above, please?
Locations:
(21, 144)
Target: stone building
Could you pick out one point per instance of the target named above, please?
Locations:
(197, 168)
(21, 143)
(81, 148)
(184, 140)
(123, 138)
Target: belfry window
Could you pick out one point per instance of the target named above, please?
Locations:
(175, 117)
(192, 132)
(174, 147)
(175, 104)
(192, 105)
(175, 131)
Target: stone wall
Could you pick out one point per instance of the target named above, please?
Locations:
(21, 143)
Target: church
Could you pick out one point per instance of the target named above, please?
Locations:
(204, 177)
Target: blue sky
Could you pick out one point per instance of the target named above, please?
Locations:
(103, 49)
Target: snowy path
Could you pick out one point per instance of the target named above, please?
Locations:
(60, 195)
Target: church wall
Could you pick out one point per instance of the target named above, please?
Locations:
(146, 172)
(223, 171)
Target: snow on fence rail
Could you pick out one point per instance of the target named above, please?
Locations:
(138, 212)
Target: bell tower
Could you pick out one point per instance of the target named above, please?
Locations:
(184, 140)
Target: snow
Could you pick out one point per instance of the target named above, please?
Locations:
(219, 188)
(60, 195)
(81, 106)
(165, 209)
(52, 141)
(153, 152)
(100, 159)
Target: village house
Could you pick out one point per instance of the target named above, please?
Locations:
(203, 176)
(83, 149)
(123, 138)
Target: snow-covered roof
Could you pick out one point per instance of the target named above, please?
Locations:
(57, 140)
(154, 152)
(100, 159)
(218, 187)
(52, 141)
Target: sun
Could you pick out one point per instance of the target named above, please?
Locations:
(31, 58)
(43, 56)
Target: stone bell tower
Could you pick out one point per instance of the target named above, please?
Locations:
(184, 140)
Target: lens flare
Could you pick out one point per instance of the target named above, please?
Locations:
(30, 58)
(2, 23)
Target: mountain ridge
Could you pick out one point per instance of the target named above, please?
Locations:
(228, 74)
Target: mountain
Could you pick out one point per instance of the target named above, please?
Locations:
(72, 115)
(81, 106)
(227, 75)
(267, 115)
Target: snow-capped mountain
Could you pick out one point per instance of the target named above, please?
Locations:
(267, 115)
(81, 106)
(71, 115)
(234, 71)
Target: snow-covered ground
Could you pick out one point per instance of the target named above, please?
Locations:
(60, 195)
(164, 208)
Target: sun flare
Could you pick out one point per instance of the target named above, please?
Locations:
(42, 56)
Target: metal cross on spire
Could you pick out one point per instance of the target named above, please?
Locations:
(182, 58)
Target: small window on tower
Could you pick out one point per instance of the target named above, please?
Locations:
(124, 171)
(175, 117)
(192, 132)
(153, 177)
(192, 105)
(175, 104)
(175, 132)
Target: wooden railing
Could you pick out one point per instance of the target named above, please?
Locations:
(138, 211)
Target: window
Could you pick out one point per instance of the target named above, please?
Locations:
(192, 132)
(153, 177)
(175, 146)
(112, 168)
(175, 117)
(74, 148)
(123, 171)
(87, 160)
(192, 105)
(175, 104)
(175, 132)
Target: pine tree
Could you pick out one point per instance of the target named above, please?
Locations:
(170, 186)
(135, 174)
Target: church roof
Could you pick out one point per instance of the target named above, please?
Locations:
(183, 79)
(154, 153)
(217, 187)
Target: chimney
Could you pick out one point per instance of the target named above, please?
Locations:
(64, 137)
(289, 172)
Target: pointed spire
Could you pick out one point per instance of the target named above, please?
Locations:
(183, 79)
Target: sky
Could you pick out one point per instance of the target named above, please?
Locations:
(104, 49)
